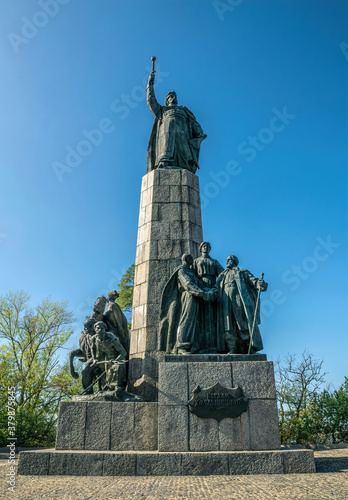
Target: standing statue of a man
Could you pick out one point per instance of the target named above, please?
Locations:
(237, 291)
(176, 135)
(207, 270)
(180, 321)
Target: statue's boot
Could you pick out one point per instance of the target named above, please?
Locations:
(231, 343)
(163, 164)
(184, 348)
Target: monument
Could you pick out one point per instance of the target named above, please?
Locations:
(188, 392)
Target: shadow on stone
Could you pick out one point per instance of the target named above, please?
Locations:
(331, 464)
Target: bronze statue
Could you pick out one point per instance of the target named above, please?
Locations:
(104, 352)
(176, 135)
(207, 270)
(237, 293)
(108, 354)
(180, 310)
(116, 321)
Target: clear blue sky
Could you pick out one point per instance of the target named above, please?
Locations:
(274, 190)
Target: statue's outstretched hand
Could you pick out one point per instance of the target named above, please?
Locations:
(262, 285)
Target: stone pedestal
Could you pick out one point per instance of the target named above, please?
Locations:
(105, 425)
(181, 430)
(170, 224)
(165, 438)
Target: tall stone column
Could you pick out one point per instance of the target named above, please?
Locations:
(170, 224)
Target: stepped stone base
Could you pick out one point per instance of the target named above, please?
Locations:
(93, 463)
(105, 438)
(103, 425)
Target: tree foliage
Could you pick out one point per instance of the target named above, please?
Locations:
(29, 361)
(125, 289)
(328, 415)
(307, 412)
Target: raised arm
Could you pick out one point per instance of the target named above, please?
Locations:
(151, 100)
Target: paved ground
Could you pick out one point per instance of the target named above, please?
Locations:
(330, 482)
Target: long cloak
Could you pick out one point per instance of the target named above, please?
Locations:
(189, 146)
(246, 285)
(172, 308)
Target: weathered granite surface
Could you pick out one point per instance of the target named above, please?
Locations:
(181, 430)
(170, 224)
(107, 426)
(117, 463)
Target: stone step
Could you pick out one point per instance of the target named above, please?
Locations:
(114, 463)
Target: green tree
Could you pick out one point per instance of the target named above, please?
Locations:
(29, 361)
(125, 289)
(298, 380)
(328, 415)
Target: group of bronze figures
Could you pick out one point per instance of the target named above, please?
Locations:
(206, 309)
(104, 347)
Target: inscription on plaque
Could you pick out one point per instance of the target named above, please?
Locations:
(218, 402)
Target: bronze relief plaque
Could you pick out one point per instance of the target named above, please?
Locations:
(218, 402)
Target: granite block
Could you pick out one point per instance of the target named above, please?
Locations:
(234, 433)
(122, 426)
(173, 428)
(200, 464)
(196, 183)
(203, 433)
(179, 193)
(34, 463)
(120, 464)
(263, 424)
(71, 426)
(159, 229)
(145, 433)
(142, 217)
(188, 178)
(141, 340)
(256, 379)
(169, 249)
(298, 461)
(169, 177)
(151, 212)
(152, 178)
(256, 463)
(208, 374)
(177, 230)
(194, 197)
(138, 319)
(169, 211)
(97, 435)
(196, 233)
(161, 194)
(133, 349)
(173, 384)
(146, 197)
(155, 464)
(141, 273)
(76, 464)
